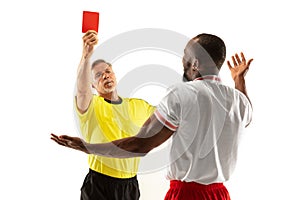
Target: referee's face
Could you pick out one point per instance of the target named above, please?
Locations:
(104, 79)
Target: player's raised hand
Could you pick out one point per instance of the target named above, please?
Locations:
(240, 66)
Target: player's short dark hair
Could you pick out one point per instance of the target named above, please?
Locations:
(214, 46)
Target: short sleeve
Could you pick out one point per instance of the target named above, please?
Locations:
(245, 110)
(84, 117)
(149, 108)
(168, 110)
(248, 114)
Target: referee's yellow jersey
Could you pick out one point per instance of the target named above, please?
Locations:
(106, 121)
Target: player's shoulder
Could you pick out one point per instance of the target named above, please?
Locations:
(177, 86)
(235, 93)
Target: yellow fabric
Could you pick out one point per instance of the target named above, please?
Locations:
(104, 122)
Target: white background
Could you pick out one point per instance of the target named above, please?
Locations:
(40, 47)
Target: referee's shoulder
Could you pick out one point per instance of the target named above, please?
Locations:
(137, 100)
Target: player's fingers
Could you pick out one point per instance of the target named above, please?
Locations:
(58, 141)
(234, 61)
(243, 57)
(249, 62)
(53, 135)
(229, 65)
(66, 137)
(238, 58)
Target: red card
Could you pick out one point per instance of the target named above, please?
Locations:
(90, 21)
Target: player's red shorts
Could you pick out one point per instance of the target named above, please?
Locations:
(194, 191)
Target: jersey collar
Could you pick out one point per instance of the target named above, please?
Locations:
(209, 77)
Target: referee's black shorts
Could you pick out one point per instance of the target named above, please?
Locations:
(97, 186)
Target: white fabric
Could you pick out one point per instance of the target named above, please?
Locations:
(208, 119)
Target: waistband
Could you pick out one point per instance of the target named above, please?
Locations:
(194, 185)
(107, 178)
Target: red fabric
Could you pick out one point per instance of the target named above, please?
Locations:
(195, 191)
